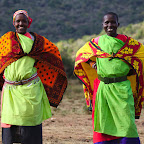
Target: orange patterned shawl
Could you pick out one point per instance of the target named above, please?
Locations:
(48, 63)
(132, 53)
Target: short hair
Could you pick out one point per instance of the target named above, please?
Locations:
(112, 13)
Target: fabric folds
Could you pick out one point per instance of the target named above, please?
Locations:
(48, 63)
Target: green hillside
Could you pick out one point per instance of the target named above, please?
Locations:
(65, 19)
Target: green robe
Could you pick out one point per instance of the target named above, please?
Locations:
(114, 105)
(24, 105)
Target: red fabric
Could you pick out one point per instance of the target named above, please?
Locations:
(119, 36)
(122, 37)
(98, 137)
(27, 34)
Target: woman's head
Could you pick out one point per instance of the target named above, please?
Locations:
(110, 23)
(21, 21)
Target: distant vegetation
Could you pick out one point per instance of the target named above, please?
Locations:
(68, 48)
(65, 19)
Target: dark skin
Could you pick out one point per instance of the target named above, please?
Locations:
(110, 25)
(21, 23)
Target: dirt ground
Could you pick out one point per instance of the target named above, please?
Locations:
(76, 129)
(70, 129)
(71, 122)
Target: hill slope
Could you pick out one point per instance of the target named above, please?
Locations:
(71, 46)
(64, 19)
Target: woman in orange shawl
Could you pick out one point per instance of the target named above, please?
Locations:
(34, 79)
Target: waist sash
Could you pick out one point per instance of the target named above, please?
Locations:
(108, 80)
(22, 82)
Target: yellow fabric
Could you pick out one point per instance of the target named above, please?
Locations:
(5, 45)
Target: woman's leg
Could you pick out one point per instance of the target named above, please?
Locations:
(22, 134)
(31, 134)
(11, 135)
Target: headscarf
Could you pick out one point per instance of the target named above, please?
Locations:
(22, 12)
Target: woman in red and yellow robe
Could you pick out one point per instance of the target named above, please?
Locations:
(115, 87)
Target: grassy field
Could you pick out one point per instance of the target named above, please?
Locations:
(71, 122)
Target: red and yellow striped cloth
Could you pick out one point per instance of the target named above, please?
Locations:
(132, 53)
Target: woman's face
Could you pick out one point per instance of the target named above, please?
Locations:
(21, 23)
(110, 25)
